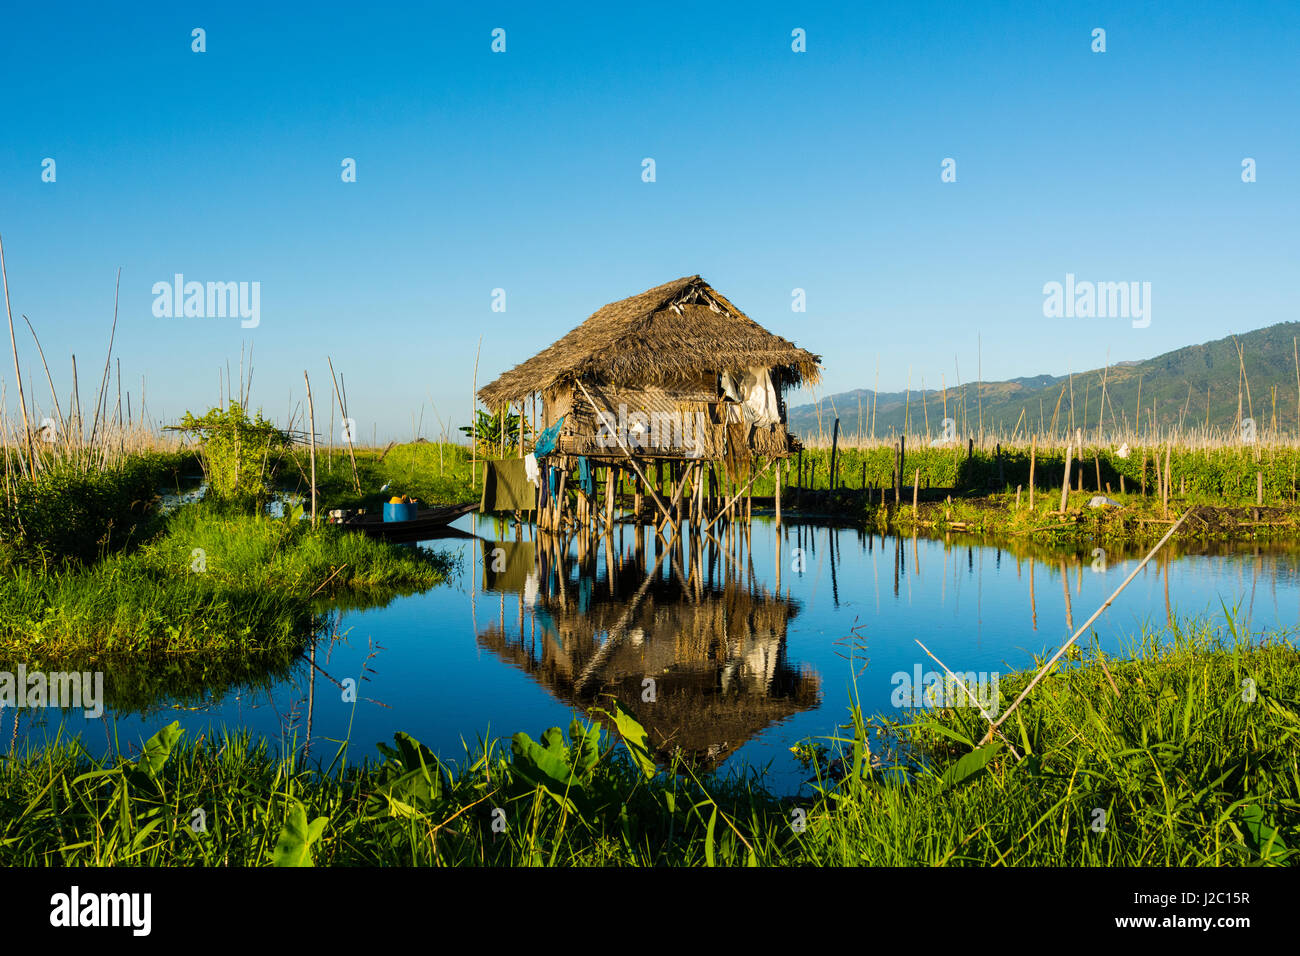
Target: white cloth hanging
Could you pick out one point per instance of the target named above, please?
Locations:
(752, 389)
(761, 405)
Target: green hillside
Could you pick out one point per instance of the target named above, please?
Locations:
(1174, 386)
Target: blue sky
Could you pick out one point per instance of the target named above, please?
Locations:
(775, 170)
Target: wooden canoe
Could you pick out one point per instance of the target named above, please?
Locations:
(428, 523)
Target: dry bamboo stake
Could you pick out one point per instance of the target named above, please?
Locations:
(736, 497)
(1079, 633)
(74, 411)
(1165, 499)
(1065, 482)
(58, 411)
(343, 409)
(311, 416)
(103, 381)
(1033, 454)
(13, 343)
(473, 422)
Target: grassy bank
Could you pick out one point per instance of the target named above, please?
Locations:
(435, 473)
(69, 513)
(1136, 519)
(1184, 755)
(1221, 475)
(207, 583)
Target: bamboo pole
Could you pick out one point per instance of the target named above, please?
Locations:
(1077, 634)
(609, 498)
(738, 494)
(1065, 481)
(1033, 455)
(18, 373)
(835, 446)
(1169, 447)
(343, 410)
(473, 422)
(311, 419)
(58, 411)
(103, 382)
(778, 514)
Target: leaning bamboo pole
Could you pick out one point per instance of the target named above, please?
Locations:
(473, 422)
(736, 497)
(635, 467)
(347, 430)
(1065, 481)
(103, 382)
(1033, 455)
(58, 411)
(311, 419)
(1079, 633)
(18, 372)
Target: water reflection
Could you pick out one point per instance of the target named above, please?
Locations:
(695, 651)
(744, 638)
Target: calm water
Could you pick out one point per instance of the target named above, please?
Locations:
(744, 662)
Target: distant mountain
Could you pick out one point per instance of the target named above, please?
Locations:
(1174, 387)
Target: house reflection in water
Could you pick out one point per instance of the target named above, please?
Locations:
(687, 643)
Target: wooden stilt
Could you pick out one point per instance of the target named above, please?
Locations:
(778, 524)
(609, 497)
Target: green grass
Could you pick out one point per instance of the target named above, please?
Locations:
(69, 514)
(1137, 520)
(208, 583)
(1187, 770)
(1223, 475)
(434, 473)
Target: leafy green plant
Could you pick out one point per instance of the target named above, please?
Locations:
(238, 453)
(496, 429)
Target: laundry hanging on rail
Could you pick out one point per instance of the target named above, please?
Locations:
(585, 479)
(546, 440)
(506, 487)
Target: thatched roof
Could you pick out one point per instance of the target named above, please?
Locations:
(676, 330)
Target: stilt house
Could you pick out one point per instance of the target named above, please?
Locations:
(675, 378)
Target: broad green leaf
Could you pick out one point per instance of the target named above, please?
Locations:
(296, 839)
(158, 748)
(542, 767)
(634, 737)
(584, 745)
(1264, 839)
(553, 740)
(968, 766)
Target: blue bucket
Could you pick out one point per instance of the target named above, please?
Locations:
(400, 512)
